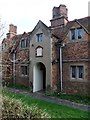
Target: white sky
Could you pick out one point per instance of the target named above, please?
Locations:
(26, 13)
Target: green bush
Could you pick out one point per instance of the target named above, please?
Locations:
(12, 108)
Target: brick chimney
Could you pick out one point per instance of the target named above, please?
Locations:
(60, 16)
(12, 31)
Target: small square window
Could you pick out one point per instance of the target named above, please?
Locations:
(24, 70)
(77, 72)
(39, 52)
(24, 43)
(76, 33)
(39, 37)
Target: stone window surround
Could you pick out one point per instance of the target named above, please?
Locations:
(25, 40)
(36, 51)
(24, 75)
(76, 34)
(78, 79)
(39, 37)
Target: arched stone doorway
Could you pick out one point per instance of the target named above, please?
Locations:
(39, 77)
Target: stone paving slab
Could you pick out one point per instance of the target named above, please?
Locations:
(55, 100)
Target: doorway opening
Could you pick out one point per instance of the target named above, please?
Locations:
(39, 77)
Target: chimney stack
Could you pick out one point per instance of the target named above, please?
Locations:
(60, 16)
(12, 31)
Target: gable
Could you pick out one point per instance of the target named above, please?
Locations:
(75, 25)
(62, 32)
(40, 28)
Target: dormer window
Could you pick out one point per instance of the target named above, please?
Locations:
(24, 43)
(39, 51)
(39, 37)
(76, 33)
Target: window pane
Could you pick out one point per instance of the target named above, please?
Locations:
(27, 42)
(39, 37)
(80, 72)
(80, 33)
(73, 71)
(72, 34)
(39, 51)
(24, 70)
(22, 43)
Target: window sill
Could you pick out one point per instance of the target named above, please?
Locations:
(39, 56)
(78, 80)
(76, 40)
(24, 48)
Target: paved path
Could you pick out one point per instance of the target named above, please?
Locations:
(55, 100)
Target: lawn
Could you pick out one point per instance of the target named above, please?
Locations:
(78, 98)
(54, 110)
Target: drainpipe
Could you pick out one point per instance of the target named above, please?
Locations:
(61, 68)
(14, 57)
(60, 51)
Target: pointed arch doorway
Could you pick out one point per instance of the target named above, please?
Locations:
(39, 77)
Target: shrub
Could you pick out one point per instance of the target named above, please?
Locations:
(12, 108)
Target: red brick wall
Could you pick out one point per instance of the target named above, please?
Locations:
(55, 66)
(72, 53)
(23, 56)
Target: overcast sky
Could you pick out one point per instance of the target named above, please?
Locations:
(26, 13)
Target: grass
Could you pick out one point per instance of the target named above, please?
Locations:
(21, 87)
(54, 110)
(79, 98)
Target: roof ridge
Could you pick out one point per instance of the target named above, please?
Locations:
(82, 26)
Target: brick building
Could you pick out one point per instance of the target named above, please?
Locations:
(56, 57)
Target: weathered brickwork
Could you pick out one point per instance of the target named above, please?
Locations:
(75, 52)
(46, 60)
(55, 66)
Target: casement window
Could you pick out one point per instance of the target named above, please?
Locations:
(72, 34)
(80, 72)
(76, 33)
(79, 33)
(24, 43)
(39, 37)
(24, 70)
(73, 71)
(39, 52)
(77, 72)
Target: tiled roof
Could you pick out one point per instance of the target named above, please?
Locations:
(85, 22)
(17, 39)
(61, 32)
